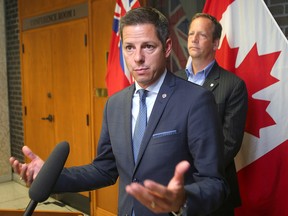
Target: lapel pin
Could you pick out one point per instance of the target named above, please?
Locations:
(212, 84)
(164, 95)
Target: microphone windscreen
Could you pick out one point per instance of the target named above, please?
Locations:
(44, 182)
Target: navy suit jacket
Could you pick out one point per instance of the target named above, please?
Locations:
(231, 98)
(183, 125)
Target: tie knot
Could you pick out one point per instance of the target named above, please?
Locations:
(142, 94)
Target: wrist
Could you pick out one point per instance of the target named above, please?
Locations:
(180, 212)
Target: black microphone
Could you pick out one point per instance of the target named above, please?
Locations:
(45, 181)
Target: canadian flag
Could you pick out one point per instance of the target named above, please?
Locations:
(118, 76)
(253, 47)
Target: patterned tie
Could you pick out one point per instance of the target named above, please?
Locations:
(141, 123)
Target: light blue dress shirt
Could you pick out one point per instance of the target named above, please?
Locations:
(150, 99)
(199, 77)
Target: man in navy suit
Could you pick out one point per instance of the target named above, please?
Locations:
(230, 93)
(179, 167)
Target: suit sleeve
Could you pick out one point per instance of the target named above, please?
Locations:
(100, 173)
(205, 140)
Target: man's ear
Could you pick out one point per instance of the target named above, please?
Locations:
(168, 47)
(216, 44)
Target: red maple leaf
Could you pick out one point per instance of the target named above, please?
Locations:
(255, 71)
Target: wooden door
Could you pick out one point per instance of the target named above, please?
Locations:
(71, 90)
(37, 89)
(56, 83)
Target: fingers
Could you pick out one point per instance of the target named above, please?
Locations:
(29, 176)
(144, 196)
(20, 169)
(11, 160)
(26, 171)
(156, 188)
(28, 153)
(23, 169)
(159, 198)
(180, 171)
(15, 165)
(134, 189)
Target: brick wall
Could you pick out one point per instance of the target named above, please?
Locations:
(14, 78)
(279, 10)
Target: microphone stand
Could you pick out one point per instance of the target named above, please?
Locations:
(42, 186)
(30, 208)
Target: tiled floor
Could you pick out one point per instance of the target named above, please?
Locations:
(15, 196)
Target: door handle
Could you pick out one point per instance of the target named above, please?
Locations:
(48, 118)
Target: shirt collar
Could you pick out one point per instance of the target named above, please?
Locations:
(189, 70)
(155, 87)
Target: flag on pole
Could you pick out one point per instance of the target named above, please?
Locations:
(254, 47)
(118, 76)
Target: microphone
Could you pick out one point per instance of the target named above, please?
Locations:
(45, 181)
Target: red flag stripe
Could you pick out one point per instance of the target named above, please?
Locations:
(215, 8)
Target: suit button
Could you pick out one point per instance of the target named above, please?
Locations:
(135, 180)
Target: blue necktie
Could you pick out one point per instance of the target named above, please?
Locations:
(141, 123)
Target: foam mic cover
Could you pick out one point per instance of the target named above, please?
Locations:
(45, 181)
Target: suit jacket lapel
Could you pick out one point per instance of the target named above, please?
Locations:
(212, 80)
(162, 99)
(128, 125)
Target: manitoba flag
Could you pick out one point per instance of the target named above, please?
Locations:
(118, 76)
(253, 47)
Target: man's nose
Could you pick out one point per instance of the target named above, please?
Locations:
(194, 38)
(138, 55)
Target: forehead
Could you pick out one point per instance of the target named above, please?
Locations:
(202, 22)
(132, 33)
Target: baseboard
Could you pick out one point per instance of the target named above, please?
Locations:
(5, 178)
(11, 212)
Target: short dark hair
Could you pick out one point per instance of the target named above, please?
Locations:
(217, 26)
(147, 15)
